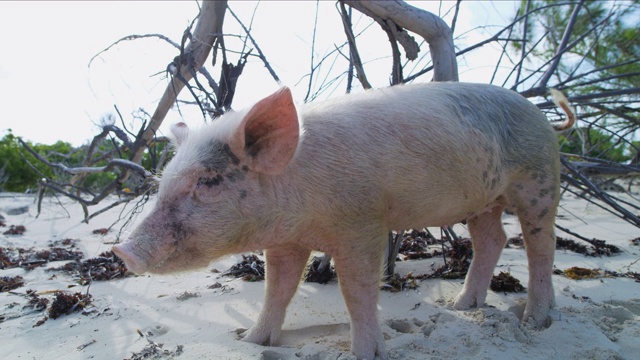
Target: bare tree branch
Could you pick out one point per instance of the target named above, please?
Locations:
(563, 45)
(432, 28)
(255, 44)
(207, 30)
(353, 50)
(135, 37)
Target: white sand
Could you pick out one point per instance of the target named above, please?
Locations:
(595, 319)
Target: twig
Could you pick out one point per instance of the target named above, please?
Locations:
(563, 45)
(355, 56)
(313, 53)
(593, 189)
(255, 44)
(135, 37)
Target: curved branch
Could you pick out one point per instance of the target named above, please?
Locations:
(432, 28)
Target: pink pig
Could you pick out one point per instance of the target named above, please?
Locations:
(337, 176)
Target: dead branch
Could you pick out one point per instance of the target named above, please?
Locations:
(432, 28)
(136, 168)
(134, 37)
(595, 191)
(563, 45)
(353, 49)
(312, 55)
(207, 31)
(255, 45)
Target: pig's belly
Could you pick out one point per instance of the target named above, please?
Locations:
(444, 212)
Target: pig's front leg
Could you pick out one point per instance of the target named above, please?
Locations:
(358, 270)
(284, 269)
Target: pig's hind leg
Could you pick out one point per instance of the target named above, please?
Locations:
(536, 208)
(488, 240)
(284, 270)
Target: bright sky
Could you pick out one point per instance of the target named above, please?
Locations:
(49, 93)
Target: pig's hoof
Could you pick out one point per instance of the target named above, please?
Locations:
(240, 333)
(272, 355)
(260, 338)
(464, 302)
(537, 315)
(540, 322)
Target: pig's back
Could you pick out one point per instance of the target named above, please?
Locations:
(451, 147)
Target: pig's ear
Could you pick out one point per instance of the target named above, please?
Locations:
(180, 132)
(269, 133)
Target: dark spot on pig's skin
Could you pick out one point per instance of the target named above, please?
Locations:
(534, 202)
(544, 192)
(543, 213)
(232, 157)
(243, 194)
(535, 231)
(178, 230)
(212, 181)
(485, 174)
(235, 175)
(218, 157)
(245, 168)
(543, 178)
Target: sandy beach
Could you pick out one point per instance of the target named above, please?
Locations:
(197, 315)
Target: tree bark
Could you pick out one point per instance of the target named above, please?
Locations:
(208, 29)
(432, 28)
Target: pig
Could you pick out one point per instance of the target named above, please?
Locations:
(336, 176)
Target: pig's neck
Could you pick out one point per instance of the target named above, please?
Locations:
(284, 216)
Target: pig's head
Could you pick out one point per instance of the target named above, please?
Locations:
(214, 194)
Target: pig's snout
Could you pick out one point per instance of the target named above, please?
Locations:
(133, 263)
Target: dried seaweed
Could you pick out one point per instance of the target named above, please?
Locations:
(629, 274)
(516, 241)
(187, 295)
(594, 248)
(154, 350)
(318, 275)
(415, 245)
(251, 268)
(36, 302)
(8, 283)
(29, 259)
(70, 243)
(15, 230)
(457, 253)
(578, 273)
(105, 266)
(64, 304)
(397, 283)
(504, 282)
